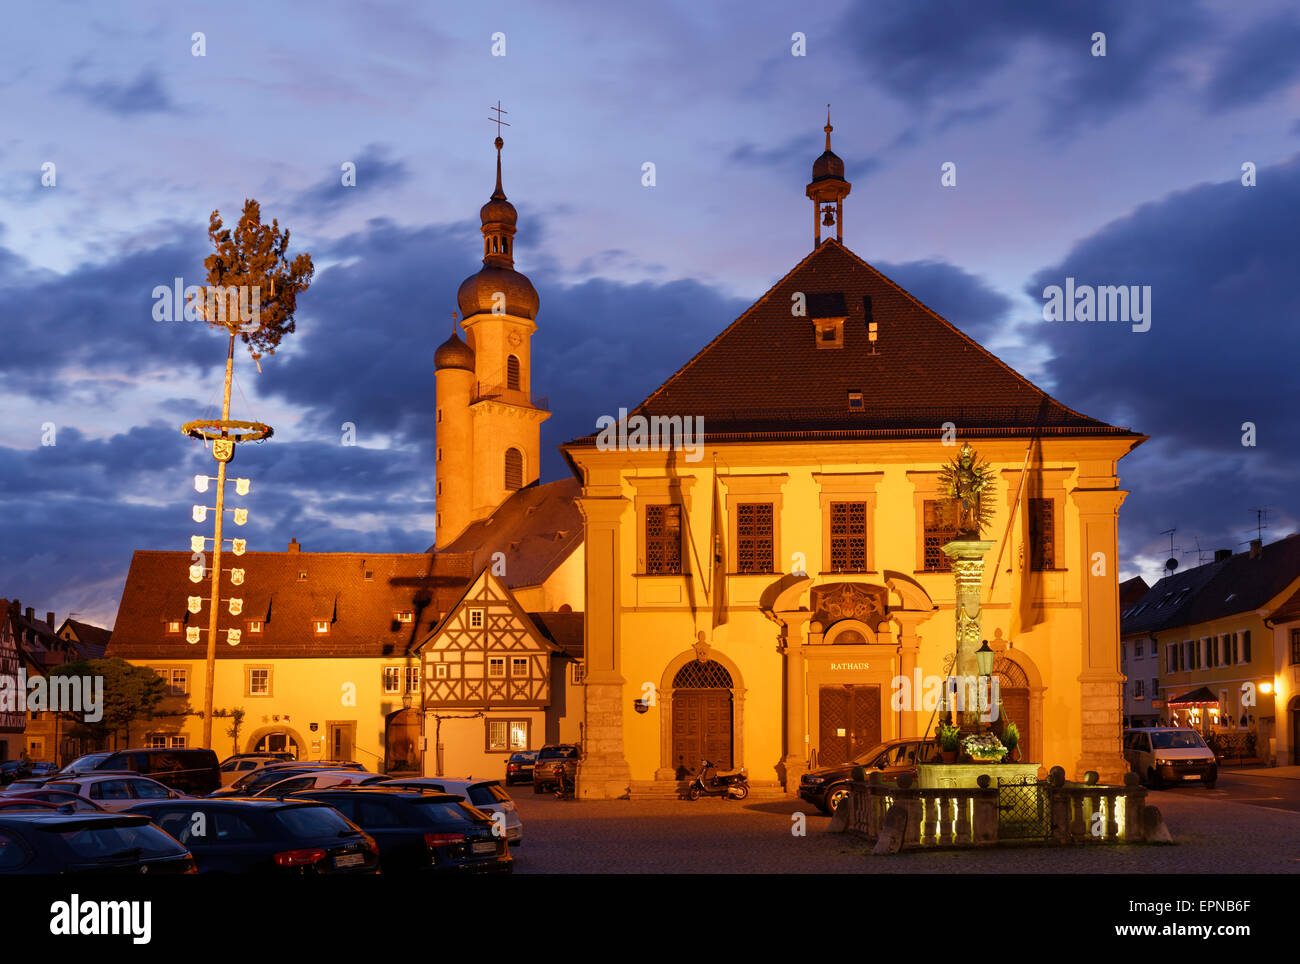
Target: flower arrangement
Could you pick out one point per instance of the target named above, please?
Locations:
(984, 747)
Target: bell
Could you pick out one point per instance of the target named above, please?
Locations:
(829, 219)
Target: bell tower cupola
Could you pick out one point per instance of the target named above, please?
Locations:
(828, 189)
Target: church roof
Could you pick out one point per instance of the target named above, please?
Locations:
(765, 378)
(537, 528)
(361, 611)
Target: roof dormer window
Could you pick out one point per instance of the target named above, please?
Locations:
(855, 402)
(830, 332)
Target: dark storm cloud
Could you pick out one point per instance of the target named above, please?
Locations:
(1221, 262)
(375, 171)
(795, 157)
(925, 53)
(959, 296)
(143, 95)
(1263, 59)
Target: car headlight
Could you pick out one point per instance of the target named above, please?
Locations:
(813, 779)
(1162, 762)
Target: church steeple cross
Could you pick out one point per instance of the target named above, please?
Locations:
(497, 120)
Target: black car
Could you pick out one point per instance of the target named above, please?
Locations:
(192, 772)
(519, 768)
(265, 836)
(548, 757)
(50, 842)
(416, 831)
(12, 770)
(825, 787)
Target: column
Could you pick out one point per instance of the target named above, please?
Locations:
(603, 772)
(968, 570)
(1100, 682)
(909, 646)
(795, 761)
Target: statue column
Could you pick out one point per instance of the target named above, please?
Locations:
(1100, 681)
(795, 761)
(967, 557)
(603, 772)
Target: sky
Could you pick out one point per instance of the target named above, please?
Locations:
(1128, 168)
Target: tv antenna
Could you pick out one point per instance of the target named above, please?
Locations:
(1172, 562)
(1260, 525)
(1200, 553)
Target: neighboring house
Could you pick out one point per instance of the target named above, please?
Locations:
(1212, 630)
(1137, 660)
(90, 642)
(13, 720)
(830, 408)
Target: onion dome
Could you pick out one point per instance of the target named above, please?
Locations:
(478, 292)
(829, 165)
(454, 353)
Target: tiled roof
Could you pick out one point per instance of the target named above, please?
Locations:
(361, 610)
(1238, 584)
(1289, 611)
(91, 640)
(563, 629)
(765, 378)
(537, 528)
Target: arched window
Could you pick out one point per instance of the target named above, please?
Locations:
(512, 372)
(514, 469)
(706, 675)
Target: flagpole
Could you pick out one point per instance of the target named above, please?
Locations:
(1024, 474)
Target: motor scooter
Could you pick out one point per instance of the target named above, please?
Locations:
(710, 783)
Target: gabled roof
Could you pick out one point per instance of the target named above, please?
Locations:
(1239, 584)
(361, 610)
(472, 596)
(563, 629)
(764, 377)
(90, 640)
(537, 528)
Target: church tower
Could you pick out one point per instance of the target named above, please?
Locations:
(828, 189)
(488, 421)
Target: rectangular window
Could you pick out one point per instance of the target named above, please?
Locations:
(476, 619)
(663, 539)
(254, 627)
(157, 741)
(1245, 645)
(1295, 646)
(519, 666)
(173, 627)
(754, 537)
(1042, 534)
(496, 667)
(578, 669)
(321, 627)
(175, 742)
(440, 671)
(392, 679)
(1138, 694)
(940, 521)
(848, 537)
(1137, 648)
(178, 683)
(1232, 647)
(507, 736)
(413, 680)
(405, 616)
(1171, 658)
(259, 682)
(1212, 659)
(1155, 688)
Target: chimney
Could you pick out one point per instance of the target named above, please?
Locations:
(1256, 547)
(49, 619)
(1221, 554)
(293, 545)
(31, 614)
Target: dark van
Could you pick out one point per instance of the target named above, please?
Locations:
(194, 772)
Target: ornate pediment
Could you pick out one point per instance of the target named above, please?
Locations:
(849, 600)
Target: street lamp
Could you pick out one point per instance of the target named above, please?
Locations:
(984, 657)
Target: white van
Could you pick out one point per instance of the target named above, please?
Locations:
(1163, 756)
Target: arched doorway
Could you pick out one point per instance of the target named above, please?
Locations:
(1013, 691)
(402, 741)
(702, 717)
(276, 740)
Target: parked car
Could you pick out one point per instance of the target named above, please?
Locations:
(282, 755)
(235, 767)
(23, 803)
(56, 798)
(1166, 755)
(192, 772)
(50, 842)
(544, 776)
(486, 795)
(519, 768)
(12, 770)
(318, 780)
(25, 785)
(263, 777)
(266, 836)
(419, 831)
(115, 791)
(826, 786)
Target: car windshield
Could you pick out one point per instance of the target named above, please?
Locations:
(143, 840)
(487, 794)
(1177, 740)
(87, 762)
(440, 811)
(866, 759)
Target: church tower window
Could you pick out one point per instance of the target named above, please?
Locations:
(512, 373)
(514, 469)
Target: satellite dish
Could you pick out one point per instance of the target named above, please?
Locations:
(1171, 564)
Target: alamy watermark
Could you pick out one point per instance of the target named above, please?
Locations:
(958, 693)
(652, 434)
(213, 303)
(1122, 303)
(82, 695)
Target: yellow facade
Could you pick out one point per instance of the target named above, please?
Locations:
(1060, 628)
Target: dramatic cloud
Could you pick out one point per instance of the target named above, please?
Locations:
(143, 95)
(1263, 59)
(374, 171)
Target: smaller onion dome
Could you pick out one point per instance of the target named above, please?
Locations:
(454, 353)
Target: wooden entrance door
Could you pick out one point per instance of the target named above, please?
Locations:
(701, 730)
(342, 739)
(850, 722)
